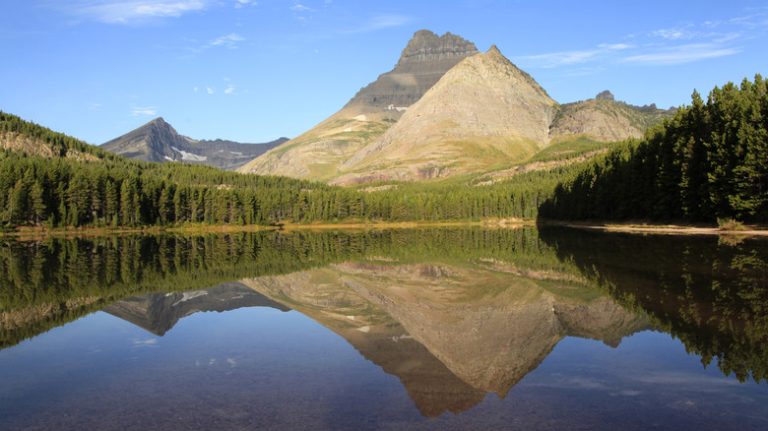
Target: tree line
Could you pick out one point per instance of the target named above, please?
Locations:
(706, 163)
(109, 190)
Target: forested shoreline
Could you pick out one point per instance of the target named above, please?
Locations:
(708, 163)
(104, 190)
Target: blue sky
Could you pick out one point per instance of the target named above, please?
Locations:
(255, 70)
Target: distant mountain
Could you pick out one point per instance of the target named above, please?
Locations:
(158, 141)
(318, 153)
(447, 110)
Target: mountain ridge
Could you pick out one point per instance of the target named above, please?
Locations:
(458, 133)
(157, 141)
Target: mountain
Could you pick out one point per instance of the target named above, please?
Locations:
(318, 153)
(447, 110)
(158, 141)
(484, 113)
(604, 119)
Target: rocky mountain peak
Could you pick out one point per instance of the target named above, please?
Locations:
(605, 95)
(425, 59)
(494, 51)
(427, 46)
(158, 141)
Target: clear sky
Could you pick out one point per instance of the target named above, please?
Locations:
(255, 70)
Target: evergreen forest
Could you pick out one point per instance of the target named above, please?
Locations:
(708, 163)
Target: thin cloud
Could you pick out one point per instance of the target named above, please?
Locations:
(299, 8)
(242, 3)
(230, 90)
(570, 58)
(229, 41)
(134, 11)
(672, 34)
(758, 18)
(146, 111)
(682, 54)
(681, 44)
(382, 22)
(210, 90)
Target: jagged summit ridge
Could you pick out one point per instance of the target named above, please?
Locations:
(425, 59)
(427, 46)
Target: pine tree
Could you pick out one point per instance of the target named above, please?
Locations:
(37, 201)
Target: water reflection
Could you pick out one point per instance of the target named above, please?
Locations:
(711, 293)
(159, 312)
(451, 333)
(453, 314)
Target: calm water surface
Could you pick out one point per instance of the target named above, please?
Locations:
(403, 329)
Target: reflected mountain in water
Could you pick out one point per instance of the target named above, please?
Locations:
(159, 312)
(450, 333)
(485, 324)
(455, 314)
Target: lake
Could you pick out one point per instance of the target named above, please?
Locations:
(390, 329)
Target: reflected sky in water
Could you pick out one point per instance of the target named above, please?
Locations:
(376, 341)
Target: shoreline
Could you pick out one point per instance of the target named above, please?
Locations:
(39, 232)
(656, 229)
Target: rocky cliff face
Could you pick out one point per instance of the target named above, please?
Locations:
(318, 153)
(158, 141)
(425, 59)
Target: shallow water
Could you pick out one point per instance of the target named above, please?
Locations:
(422, 329)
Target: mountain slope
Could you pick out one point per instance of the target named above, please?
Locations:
(484, 113)
(604, 119)
(22, 136)
(158, 141)
(318, 153)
